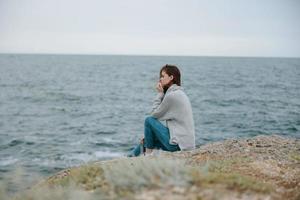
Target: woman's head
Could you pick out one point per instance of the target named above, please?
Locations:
(169, 74)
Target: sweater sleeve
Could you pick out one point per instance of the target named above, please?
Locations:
(157, 101)
(161, 108)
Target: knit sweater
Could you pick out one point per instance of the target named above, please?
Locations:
(176, 109)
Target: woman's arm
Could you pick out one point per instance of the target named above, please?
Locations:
(162, 110)
(157, 101)
(161, 104)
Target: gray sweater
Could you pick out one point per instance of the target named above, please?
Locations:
(176, 109)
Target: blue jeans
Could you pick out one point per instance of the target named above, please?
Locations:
(156, 136)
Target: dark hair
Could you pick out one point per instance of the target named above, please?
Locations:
(171, 70)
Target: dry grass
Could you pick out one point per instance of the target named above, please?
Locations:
(258, 173)
(125, 178)
(295, 156)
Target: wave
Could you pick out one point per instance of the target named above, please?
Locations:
(8, 161)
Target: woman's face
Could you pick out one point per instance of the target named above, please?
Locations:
(165, 79)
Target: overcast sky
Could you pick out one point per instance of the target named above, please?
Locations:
(152, 27)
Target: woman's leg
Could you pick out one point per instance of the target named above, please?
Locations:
(167, 146)
(157, 135)
(136, 151)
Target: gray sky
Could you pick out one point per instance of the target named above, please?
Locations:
(152, 27)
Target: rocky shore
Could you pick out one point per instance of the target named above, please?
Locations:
(262, 167)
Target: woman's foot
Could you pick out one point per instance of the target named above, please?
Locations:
(148, 151)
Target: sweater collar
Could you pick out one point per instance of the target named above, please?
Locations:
(174, 87)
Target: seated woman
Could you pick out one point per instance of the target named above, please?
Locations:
(173, 107)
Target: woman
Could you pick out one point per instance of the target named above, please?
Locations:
(173, 107)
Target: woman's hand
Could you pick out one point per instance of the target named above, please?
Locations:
(159, 87)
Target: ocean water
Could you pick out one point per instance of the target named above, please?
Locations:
(58, 111)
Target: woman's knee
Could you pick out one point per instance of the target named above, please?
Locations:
(149, 120)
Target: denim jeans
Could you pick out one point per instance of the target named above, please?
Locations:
(156, 136)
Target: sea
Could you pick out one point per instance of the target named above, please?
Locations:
(60, 111)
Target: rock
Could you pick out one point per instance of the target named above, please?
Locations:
(263, 167)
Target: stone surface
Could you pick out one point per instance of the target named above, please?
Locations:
(262, 167)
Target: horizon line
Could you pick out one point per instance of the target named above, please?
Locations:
(149, 55)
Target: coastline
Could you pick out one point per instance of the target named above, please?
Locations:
(262, 167)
